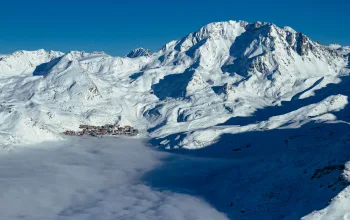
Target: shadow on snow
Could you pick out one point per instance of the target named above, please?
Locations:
(44, 68)
(288, 106)
(272, 174)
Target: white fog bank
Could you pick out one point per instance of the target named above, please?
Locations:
(90, 178)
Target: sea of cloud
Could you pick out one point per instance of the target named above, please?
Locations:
(90, 178)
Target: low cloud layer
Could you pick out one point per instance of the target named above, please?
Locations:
(90, 179)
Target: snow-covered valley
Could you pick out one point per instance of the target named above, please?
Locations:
(253, 118)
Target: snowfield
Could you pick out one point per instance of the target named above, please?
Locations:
(256, 115)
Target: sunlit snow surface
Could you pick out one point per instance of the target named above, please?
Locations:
(90, 179)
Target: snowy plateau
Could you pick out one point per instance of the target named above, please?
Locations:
(237, 120)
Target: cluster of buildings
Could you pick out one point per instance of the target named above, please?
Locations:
(107, 129)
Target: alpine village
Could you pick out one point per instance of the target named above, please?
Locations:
(107, 129)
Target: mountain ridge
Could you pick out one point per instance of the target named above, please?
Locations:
(229, 56)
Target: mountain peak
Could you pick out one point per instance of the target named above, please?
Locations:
(289, 29)
(139, 52)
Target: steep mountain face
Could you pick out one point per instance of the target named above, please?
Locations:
(206, 89)
(139, 52)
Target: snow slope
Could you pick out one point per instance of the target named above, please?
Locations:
(225, 80)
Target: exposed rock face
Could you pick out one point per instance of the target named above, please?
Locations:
(139, 52)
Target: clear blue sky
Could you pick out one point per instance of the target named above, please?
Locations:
(117, 27)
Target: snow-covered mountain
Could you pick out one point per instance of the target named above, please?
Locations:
(209, 88)
(139, 52)
(25, 62)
